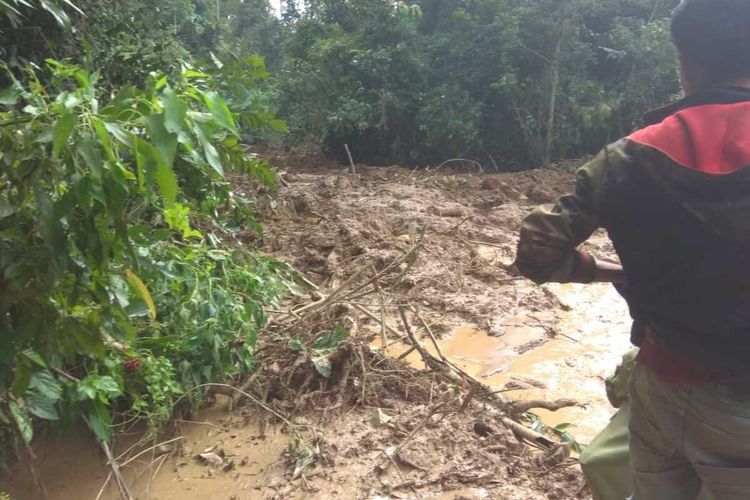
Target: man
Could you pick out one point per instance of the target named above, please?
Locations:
(675, 199)
(606, 460)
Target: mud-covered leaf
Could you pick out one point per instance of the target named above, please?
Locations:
(305, 457)
(329, 341)
(210, 458)
(323, 365)
(382, 419)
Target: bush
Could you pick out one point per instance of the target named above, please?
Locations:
(110, 296)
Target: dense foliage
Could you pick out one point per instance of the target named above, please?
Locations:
(508, 83)
(118, 294)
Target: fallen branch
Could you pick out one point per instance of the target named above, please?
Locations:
(523, 432)
(339, 295)
(119, 480)
(459, 376)
(524, 406)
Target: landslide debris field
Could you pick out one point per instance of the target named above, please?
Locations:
(387, 257)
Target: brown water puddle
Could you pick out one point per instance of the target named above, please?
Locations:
(591, 339)
(73, 469)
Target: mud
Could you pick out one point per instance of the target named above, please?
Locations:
(74, 469)
(385, 429)
(493, 324)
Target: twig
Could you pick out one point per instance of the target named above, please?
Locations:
(484, 243)
(104, 486)
(452, 160)
(430, 334)
(351, 162)
(247, 395)
(121, 484)
(65, 374)
(428, 359)
(364, 374)
(375, 318)
(406, 353)
(143, 452)
(393, 461)
(383, 331)
(524, 406)
(34, 474)
(457, 375)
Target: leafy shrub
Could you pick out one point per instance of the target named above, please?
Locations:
(107, 287)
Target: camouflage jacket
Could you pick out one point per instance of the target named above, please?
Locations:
(675, 199)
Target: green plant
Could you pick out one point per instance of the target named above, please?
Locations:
(560, 431)
(105, 278)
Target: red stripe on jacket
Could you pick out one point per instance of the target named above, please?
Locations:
(714, 139)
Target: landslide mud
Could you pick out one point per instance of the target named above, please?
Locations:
(410, 436)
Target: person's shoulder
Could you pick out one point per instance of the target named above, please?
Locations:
(711, 138)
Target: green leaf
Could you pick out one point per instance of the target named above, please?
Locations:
(212, 156)
(176, 217)
(174, 110)
(120, 290)
(218, 108)
(23, 422)
(34, 356)
(329, 341)
(278, 125)
(46, 384)
(6, 209)
(305, 458)
(42, 407)
(150, 161)
(21, 378)
(100, 421)
(99, 387)
(11, 95)
(63, 129)
(164, 141)
(88, 149)
(57, 12)
(118, 133)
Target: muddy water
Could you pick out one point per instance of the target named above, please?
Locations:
(591, 338)
(73, 469)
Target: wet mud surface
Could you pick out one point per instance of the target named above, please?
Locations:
(421, 441)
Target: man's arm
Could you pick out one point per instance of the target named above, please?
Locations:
(547, 250)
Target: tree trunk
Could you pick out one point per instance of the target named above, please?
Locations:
(549, 138)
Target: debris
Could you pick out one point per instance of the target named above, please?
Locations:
(210, 459)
